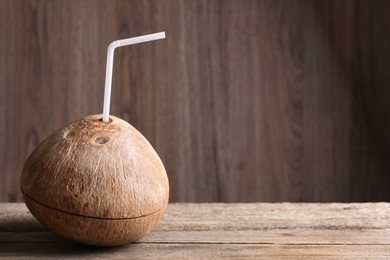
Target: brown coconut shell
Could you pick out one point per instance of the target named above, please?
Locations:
(96, 183)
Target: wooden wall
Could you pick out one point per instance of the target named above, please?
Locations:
(244, 100)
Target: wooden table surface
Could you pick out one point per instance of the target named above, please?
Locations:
(259, 230)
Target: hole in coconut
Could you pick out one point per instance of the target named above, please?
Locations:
(70, 134)
(102, 140)
(109, 120)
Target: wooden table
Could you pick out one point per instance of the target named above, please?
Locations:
(259, 230)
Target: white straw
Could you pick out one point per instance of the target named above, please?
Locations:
(110, 61)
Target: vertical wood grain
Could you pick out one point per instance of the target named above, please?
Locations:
(373, 92)
(327, 123)
(244, 100)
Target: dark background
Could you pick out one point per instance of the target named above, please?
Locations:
(244, 101)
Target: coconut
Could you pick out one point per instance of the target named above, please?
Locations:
(96, 183)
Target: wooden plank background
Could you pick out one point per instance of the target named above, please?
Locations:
(244, 100)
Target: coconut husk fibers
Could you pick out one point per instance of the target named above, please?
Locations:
(96, 183)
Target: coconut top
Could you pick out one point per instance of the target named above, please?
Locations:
(96, 169)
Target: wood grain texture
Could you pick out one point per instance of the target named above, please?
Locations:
(244, 101)
(258, 230)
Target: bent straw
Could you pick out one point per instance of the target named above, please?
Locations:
(110, 61)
